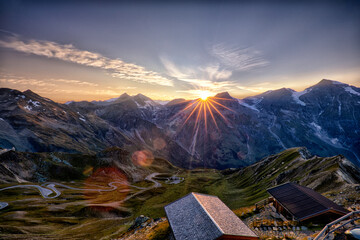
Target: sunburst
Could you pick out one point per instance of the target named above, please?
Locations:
(203, 108)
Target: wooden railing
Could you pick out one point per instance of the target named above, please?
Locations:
(327, 229)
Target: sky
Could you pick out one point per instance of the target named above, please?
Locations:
(97, 50)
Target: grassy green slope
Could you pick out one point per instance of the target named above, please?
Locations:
(69, 215)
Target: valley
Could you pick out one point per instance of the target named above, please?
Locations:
(186, 120)
(112, 190)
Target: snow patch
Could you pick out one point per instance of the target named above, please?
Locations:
(27, 107)
(322, 134)
(256, 100)
(339, 108)
(317, 127)
(334, 141)
(161, 102)
(241, 102)
(67, 103)
(23, 96)
(81, 117)
(148, 104)
(34, 103)
(336, 82)
(352, 91)
(1, 119)
(296, 96)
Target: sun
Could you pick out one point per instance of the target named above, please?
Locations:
(204, 95)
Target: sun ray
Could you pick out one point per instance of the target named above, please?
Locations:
(221, 105)
(205, 115)
(218, 111)
(183, 110)
(212, 115)
(196, 112)
(199, 114)
(190, 104)
(191, 114)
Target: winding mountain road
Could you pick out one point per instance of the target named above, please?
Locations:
(49, 188)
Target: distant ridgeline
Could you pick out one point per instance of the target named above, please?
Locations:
(325, 118)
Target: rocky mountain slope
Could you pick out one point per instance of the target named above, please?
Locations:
(325, 118)
(32, 123)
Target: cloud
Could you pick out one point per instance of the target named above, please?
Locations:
(49, 84)
(238, 59)
(76, 82)
(208, 84)
(18, 80)
(28, 82)
(200, 78)
(116, 67)
(172, 70)
(214, 72)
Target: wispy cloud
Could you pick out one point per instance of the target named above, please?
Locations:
(200, 79)
(173, 70)
(238, 59)
(215, 73)
(52, 82)
(218, 74)
(76, 82)
(27, 82)
(115, 67)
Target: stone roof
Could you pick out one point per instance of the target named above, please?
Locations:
(303, 202)
(201, 216)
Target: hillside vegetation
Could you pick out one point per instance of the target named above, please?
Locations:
(142, 188)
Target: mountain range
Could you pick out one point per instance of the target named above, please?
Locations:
(325, 118)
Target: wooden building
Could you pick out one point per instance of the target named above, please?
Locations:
(205, 217)
(301, 203)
